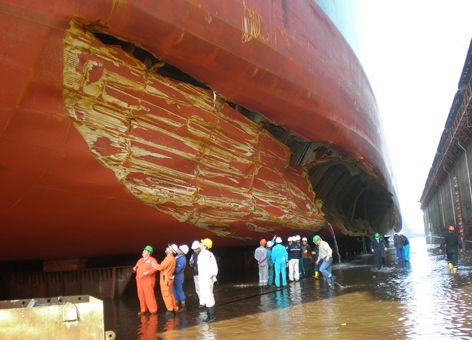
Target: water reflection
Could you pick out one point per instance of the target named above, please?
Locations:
(426, 302)
(148, 327)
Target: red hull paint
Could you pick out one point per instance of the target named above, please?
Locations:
(57, 201)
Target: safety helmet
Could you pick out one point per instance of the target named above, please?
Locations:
(263, 242)
(207, 243)
(297, 238)
(451, 228)
(278, 239)
(149, 249)
(290, 239)
(174, 248)
(270, 244)
(316, 238)
(195, 245)
(304, 239)
(376, 236)
(184, 248)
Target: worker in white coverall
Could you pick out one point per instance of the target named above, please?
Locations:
(207, 271)
(261, 256)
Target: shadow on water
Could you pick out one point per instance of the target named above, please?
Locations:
(424, 302)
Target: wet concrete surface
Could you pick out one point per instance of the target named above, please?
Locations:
(425, 301)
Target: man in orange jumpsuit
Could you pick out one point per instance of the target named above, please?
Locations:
(167, 267)
(145, 270)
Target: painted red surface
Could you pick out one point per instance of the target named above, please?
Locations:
(290, 64)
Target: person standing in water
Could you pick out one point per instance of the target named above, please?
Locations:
(452, 243)
(177, 288)
(306, 258)
(207, 271)
(261, 256)
(194, 264)
(279, 256)
(145, 270)
(379, 248)
(398, 242)
(270, 263)
(325, 254)
(167, 268)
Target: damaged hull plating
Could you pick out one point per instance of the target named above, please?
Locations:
(101, 149)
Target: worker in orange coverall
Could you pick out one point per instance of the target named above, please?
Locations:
(167, 268)
(145, 270)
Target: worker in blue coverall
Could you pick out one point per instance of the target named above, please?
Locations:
(177, 287)
(280, 258)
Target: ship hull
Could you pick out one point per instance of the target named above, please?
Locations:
(59, 201)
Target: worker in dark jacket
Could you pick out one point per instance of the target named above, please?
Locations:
(452, 242)
(294, 251)
(379, 248)
(306, 258)
(193, 264)
(270, 262)
(398, 242)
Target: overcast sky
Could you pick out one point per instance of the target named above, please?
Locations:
(413, 53)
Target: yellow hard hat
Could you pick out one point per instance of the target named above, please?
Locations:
(207, 242)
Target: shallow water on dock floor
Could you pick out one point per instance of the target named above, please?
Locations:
(425, 302)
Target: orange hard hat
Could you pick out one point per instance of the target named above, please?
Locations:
(263, 242)
(451, 228)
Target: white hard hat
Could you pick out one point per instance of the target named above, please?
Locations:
(290, 239)
(269, 244)
(195, 245)
(298, 238)
(184, 248)
(174, 248)
(278, 240)
(304, 239)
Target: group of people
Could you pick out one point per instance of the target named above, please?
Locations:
(379, 248)
(274, 258)
(171, 268)
(451, 245)
(402, 245)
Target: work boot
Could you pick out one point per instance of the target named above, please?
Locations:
(170, 314)
(454, 270)
(210, 314)
(450, 265)
(182, 307)
(317, 275)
